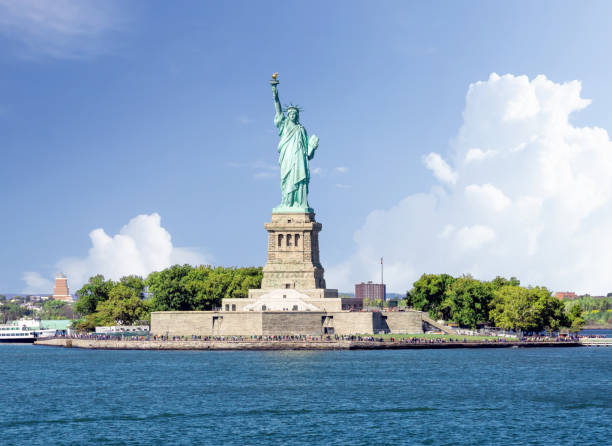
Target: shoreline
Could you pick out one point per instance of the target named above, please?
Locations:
(95, 344)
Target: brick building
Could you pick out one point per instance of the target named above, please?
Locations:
(570, 295)
(60, 290)
(370, 290)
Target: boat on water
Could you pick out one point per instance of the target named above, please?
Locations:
(24, 331)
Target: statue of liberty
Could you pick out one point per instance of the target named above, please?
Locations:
(295, 150)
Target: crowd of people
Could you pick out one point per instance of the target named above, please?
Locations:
(306, 338)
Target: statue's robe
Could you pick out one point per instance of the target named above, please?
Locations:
(293, 160)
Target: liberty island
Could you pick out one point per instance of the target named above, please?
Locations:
(293, 303)
(293, 299)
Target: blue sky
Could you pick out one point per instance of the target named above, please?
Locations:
(114, 110)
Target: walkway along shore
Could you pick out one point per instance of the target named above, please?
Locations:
(332, 344)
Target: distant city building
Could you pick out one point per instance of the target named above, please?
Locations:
(370, 291)
(565, 295)
(40, 298)
(60, 290)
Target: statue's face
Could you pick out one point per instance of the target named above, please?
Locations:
(293, 115)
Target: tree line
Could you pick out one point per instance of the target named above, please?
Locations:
(49, 309)
(596, 311)
(468, 302)
(501, 302)
(131, 299)
(12, 311)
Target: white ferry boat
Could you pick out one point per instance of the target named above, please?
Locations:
(23, 331)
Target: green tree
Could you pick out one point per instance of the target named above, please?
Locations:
(244, 279)
(186, 288)
(195, 283)
(123, 307)
(428, 292)
(373, 303)
(56, 309)
(94, 291)
(466, 301)
(168, 289)
(87, 323)
(595, 312)
(500, 281)
(216, 287)
(532, 309)
(230, 283)
(179, 287)
(135, 283)
(512, 309)
(575, 318)
(549, 310)
(13, 311)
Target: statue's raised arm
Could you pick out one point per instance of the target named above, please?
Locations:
(277, 104)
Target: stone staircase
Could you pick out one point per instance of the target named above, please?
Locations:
(434, 324)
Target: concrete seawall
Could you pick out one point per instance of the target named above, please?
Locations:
(596, 342)
(195, 345)
(284, 345)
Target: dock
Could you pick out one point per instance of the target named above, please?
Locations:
(596, 342)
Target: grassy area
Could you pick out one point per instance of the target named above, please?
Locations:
(441, 336)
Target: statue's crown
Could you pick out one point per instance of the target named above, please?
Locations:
(292, 106)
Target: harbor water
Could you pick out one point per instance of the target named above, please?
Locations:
(539, 396)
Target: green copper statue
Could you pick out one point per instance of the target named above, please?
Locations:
(295, 151)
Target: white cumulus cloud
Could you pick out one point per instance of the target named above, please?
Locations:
(526, 194)
(476, 154)
(140, 247)
(473, 237)
(487, 196)
(440, 168)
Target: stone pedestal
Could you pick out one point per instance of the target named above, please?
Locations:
(293, 256)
